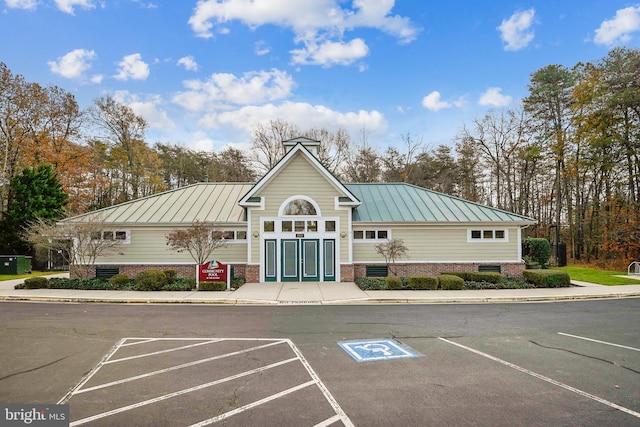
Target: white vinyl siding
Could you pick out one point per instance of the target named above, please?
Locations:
(440, 244)
(144, 242)
(299, 177)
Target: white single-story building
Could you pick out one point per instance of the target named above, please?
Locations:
(300, 223)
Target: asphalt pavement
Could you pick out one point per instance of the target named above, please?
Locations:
(317, 293)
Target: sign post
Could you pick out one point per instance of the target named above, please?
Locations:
(214, 271)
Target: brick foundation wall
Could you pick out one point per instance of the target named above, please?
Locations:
(182, 270)
(346, 273)
(252, 273)
(435, 269)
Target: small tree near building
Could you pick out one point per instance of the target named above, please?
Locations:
(391, 251)
(79, 243)
(199, 240)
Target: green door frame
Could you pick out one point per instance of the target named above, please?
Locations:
(270, 260)
(304, 256)
(290, 247)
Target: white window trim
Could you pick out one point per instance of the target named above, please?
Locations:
(299, 196)
(491, 240)
(126, 241)
(365, 240)
(235, 237)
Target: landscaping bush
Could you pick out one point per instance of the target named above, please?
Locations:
(236, 282)
(393, 282)
(422, 282)
(188, 284)
(119, 280)
(547, 278)
(212, 286)
(150, 280)
(478, 276)
(538, 251)
(450, 282)
(38, 282)
(172, 275)
(370, 283)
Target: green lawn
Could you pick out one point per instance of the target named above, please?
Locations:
(24, 276)
(601, 277)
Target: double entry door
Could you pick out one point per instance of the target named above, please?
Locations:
(300, 260)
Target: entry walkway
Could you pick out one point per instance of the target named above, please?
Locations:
(309, 293)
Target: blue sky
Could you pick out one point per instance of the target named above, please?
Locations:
(203, 73)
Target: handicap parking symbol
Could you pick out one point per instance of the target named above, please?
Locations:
(381, 349)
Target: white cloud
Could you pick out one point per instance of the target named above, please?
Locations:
(68, 5)
(319, 25)
(516, 31)
(493, 97)
(222, 89)
(619, 28)
(22, 4)
(148, 108)
(330, 53)
(261, 48)
(73, 64)
(433, 102)
(305, 116)
(132, 67)
(189, 63)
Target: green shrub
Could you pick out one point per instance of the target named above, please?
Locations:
(236, 282)
(38, 282)
(119, 280)
(393, 282)
(150, 280)
(547, 278)
(478, 276)
(172, 275)
(180, 285)
(422, 282)
(370, 283)
(212, 286)
(450, 282)
(538, 252)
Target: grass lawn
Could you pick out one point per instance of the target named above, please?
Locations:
(601, 277)
(24, 276)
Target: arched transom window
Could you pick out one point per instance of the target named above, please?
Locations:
(299, 207)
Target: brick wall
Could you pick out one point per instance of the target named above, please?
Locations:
(434, 269)
(181, 269)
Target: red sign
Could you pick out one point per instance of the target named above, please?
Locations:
(213, 271)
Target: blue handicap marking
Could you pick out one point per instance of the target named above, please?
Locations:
(382, 349)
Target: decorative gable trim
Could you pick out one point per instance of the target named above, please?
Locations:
(347, 198)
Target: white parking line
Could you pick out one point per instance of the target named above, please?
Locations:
(181, 392)
(598, 341)
(173, 368)
(161, 351)
(252, 405)
(547, 379)
(106, 360)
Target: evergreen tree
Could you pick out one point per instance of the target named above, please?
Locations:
(36, 193)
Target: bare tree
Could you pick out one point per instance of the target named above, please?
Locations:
(199, 240)
(79, 242)
(391, 251)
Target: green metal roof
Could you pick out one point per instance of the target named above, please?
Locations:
(400, 202)
(206, 202)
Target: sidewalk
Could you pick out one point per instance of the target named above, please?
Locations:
(313, 293)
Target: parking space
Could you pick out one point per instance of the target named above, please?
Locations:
(593, 374)
(197, 382)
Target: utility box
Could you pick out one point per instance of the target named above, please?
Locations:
(15, 264)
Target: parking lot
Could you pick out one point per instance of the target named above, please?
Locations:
(200, 382)
(570, 364)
